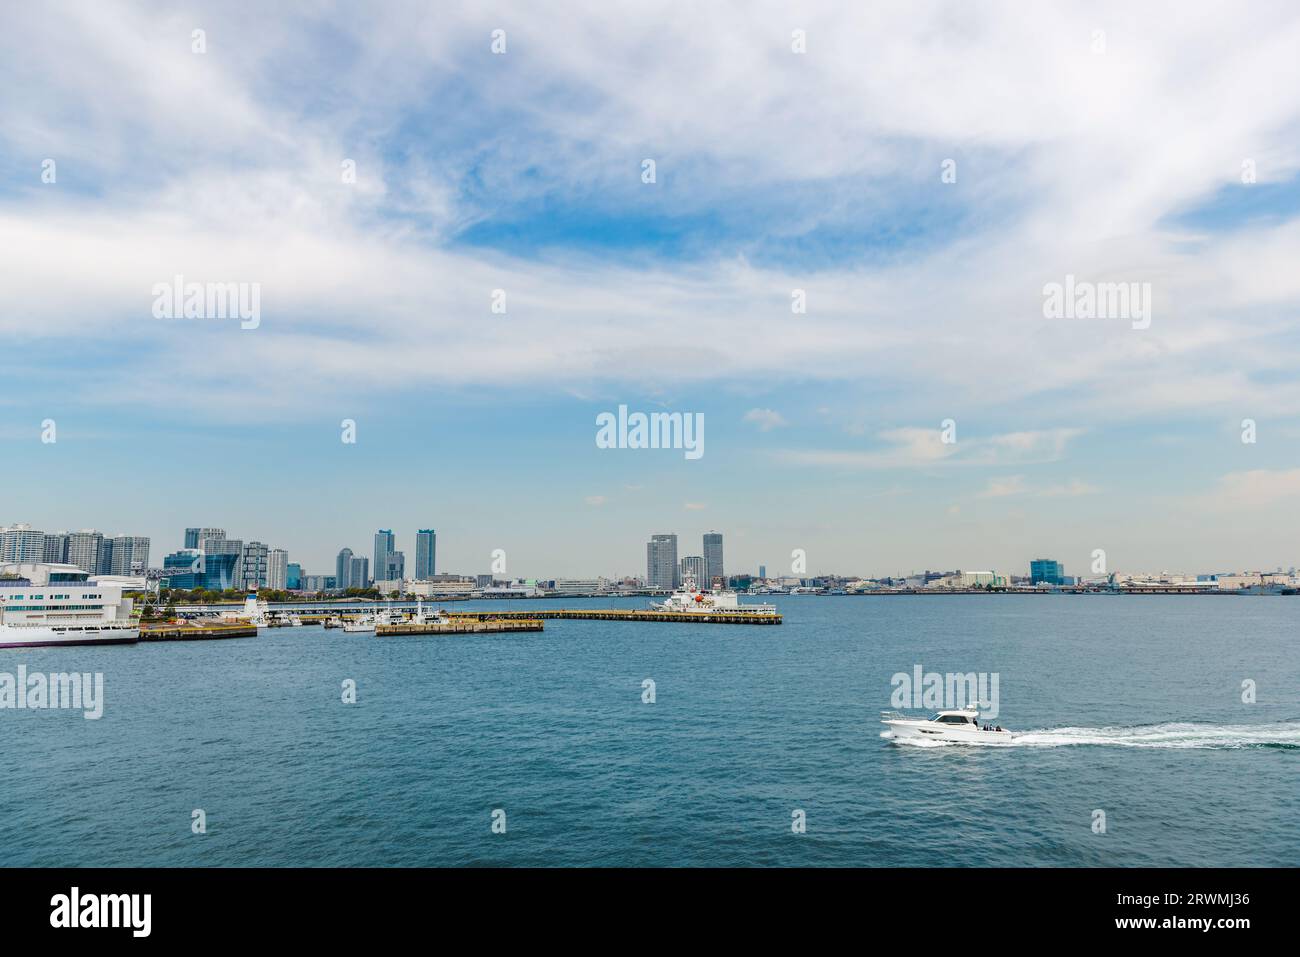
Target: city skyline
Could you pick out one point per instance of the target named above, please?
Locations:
(271, 565)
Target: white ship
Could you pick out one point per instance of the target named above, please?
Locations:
(689, 599)
(44, 604)
(959, 726)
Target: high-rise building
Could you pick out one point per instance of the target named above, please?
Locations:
(426, 547)
(762, 571)
(181, 569)
(86, 550)
(126, 554)
(226, 558)
(343, 569)
(277, 569)
(359, 573)
(396, 570)
(384, 547)
(22, 543)
(694, 567)
(56, 548)
(253, 561)
(1045, 571)
(293, 576)
(661, 569)
(713, 559)
(194, 536)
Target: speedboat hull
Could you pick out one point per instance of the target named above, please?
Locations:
(915, 731)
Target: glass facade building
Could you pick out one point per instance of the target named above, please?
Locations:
(1045, 571)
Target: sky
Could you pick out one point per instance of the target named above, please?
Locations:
(918, 175)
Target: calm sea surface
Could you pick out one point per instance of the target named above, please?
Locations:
(1136, 704)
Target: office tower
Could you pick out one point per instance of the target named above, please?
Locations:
(426, 546)
(695, 568)
(661, 569)
(384, 546)
(56, 548)
(181, 569)
(194, 536)
(277, 569)
(358, 573)
(21, 543)
(253, 565)
(762, 571)
(1045, 571)
(125, 553)
(713, 559)
(86, 550)
(343, 569)
(293, 576)
(396, 568)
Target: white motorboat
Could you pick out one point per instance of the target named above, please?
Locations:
(958, 726)
(364, 624)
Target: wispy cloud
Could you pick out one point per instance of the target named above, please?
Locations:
(1257, 488)
(765, 419)
(382, 279)
(913, 448)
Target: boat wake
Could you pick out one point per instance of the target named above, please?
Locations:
(1282, 735)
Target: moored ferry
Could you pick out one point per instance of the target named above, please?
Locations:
(690, 599)
(45, 604)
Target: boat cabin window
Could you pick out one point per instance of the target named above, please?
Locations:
(953, 719)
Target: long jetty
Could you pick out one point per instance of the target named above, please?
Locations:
(715, 617)
(194, 631)
(459, 626)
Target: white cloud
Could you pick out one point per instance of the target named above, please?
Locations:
(225, 166)
(913, 447)
(999, 488)
(1257, 488)
(765, 419)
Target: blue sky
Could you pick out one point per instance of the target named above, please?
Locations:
(775, 172)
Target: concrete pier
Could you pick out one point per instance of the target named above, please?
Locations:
(460, 625)
(196, 631)
(631, 614)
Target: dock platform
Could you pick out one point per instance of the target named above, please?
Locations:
(191, 631)
(461, 625)
(630, 614)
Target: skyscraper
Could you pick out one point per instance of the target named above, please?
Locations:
(384, 546)
(713, 559)
(343, 569)
(56, 548)
(426, 546)
(253, 562)
(126, 553)
(22, 543)
(85, 550)
(359, 574)
(194, 536)
(693, 567)
(661, 569)
(293, 576)
(277, 569)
